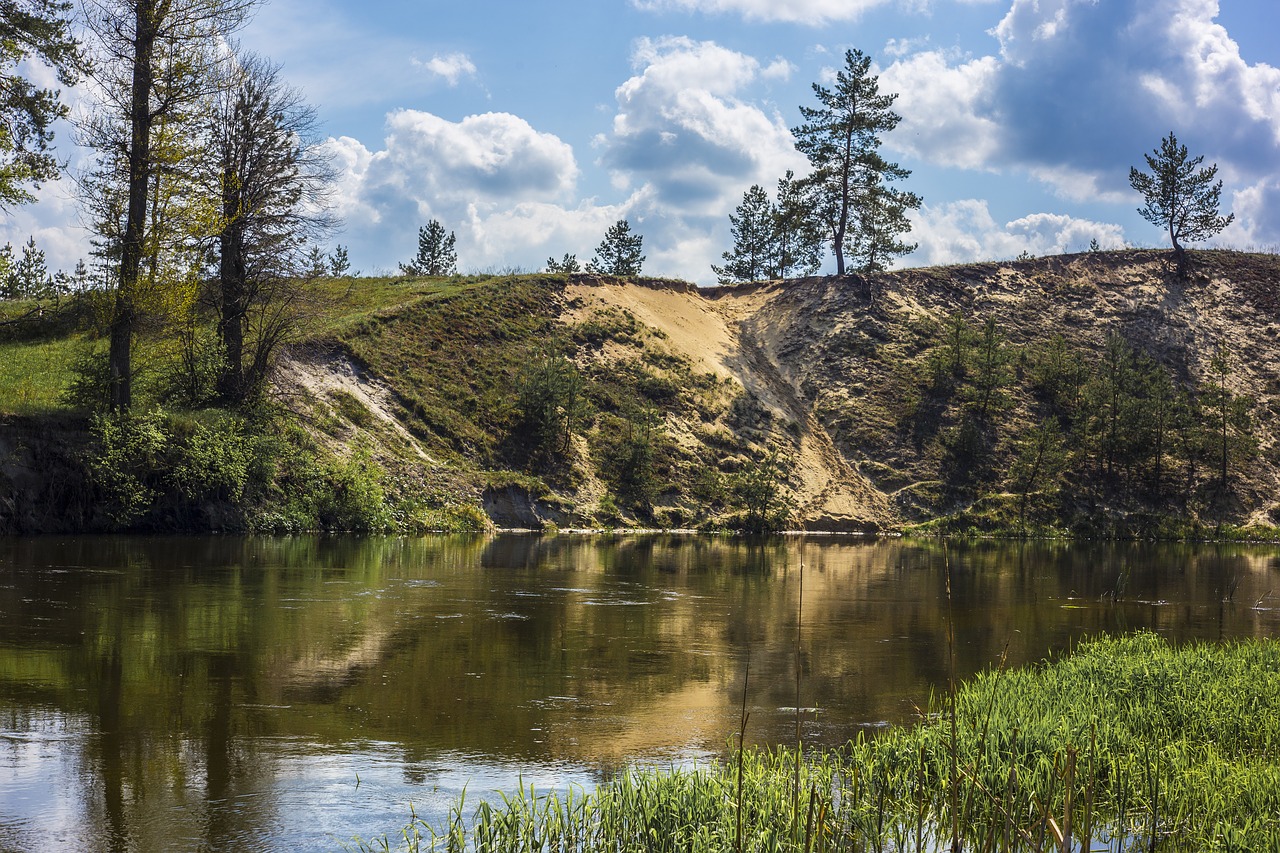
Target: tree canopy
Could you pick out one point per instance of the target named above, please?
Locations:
(1180, 197)
(32, 30)
(861, 213)
(619, 252)
(437, 252)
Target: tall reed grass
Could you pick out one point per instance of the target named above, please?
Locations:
(1127, 744)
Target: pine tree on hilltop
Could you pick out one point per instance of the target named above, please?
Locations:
(619, 253)
(437, 253)
(849, 182)
(1180, 198)
(753, 252)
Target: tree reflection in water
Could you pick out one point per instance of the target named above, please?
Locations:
(223, 693)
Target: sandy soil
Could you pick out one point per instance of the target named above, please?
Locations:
(734, 334)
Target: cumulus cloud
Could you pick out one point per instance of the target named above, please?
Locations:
(947, 111)
(1080, 89)
(686, 128)
(53, 222)
(463, 173)
(965, 230)
(1257, 224)
(815, 13)
(451, 67)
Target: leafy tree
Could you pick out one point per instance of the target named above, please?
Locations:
(272, 183)
(37, 30)
(153, 63)
(339, 263)
(619, 252)
(759, 491)
(627, 458)
(566, 265)
(797, 236)
(850, 179)
(550, 407)
(437, 253)
(1180, 197)
(754, 250)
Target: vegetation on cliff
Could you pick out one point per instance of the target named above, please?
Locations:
(1096, 394)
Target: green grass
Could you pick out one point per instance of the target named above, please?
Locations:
(35, 375)
(1127, 744)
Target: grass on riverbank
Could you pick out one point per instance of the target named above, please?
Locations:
(1126, 744)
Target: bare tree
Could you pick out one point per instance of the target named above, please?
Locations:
(272, 181)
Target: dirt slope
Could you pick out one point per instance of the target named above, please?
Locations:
(840, 375)
(735, 333)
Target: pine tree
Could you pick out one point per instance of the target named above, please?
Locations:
(38, 30)
(1179, 197)
(565, 266)
(841, 138)
(437, 254)
(30, 273)
(881, 219)
(797, 235)
(619, 252)
(754, 251)
(339, 263)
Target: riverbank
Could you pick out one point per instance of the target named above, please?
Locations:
(1126, 742)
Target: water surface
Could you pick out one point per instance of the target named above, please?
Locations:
(289, 693)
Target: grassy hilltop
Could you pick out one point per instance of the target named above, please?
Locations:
(1097, 394)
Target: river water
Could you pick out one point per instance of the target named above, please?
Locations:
(222, 693)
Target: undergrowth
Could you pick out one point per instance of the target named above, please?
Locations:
(1125, 744)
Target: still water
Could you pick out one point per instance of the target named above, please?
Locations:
(211, 694)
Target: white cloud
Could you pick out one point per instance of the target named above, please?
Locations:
(947, 114)
(53, 222)
(1080, 89)
(452, 67)
(815, 13)
(962, 231)
(486, 168)
(1257, 224)
(779, 69)
(686, 128)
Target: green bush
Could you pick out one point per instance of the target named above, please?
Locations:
(124, 460)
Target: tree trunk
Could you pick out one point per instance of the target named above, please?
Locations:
(233, 287)
(124, 316)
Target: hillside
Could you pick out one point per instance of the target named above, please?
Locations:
(840, 377)
(1097, 394)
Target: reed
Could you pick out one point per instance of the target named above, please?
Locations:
(1125, 745)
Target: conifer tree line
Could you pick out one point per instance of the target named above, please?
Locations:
(1114, 422)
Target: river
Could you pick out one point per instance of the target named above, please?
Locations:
(232, 693)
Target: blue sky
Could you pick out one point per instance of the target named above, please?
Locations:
(529, 127)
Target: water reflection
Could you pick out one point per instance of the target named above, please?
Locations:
(228, 693)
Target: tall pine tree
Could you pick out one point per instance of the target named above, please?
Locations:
(849, 181)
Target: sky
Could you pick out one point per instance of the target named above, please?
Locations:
(528, 127)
